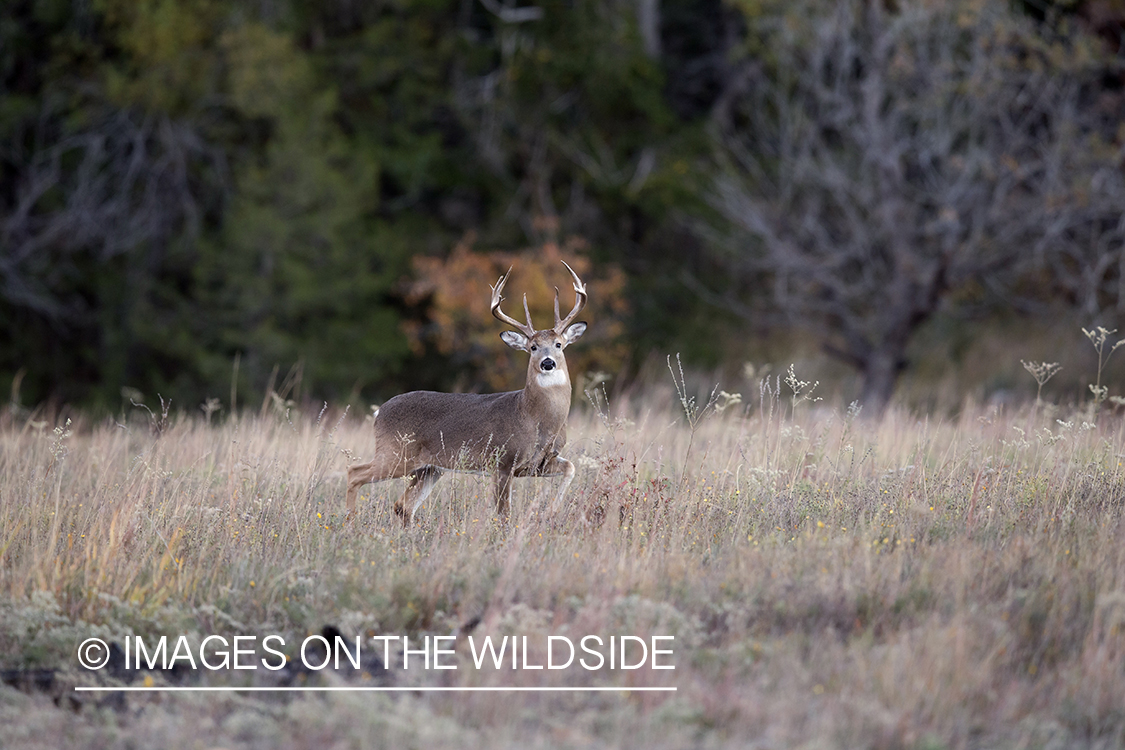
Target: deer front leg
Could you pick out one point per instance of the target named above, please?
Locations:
(503, 494)
(422, 481)
(559, 466)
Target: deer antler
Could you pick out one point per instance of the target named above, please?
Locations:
(579, 301)
(527, 330)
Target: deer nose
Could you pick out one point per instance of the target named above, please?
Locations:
(547, 364)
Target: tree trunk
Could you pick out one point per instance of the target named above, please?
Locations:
(648, 21)
(879, 372)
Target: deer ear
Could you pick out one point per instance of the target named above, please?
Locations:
(515, 340)
(573, 331)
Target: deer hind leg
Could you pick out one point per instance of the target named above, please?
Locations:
(422, 481)
(378, 469)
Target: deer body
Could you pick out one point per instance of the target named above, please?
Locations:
(514, 434)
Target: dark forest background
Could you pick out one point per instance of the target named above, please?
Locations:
(311, 197)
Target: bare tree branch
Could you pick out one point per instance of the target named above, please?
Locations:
(124, 182)
(882, 160)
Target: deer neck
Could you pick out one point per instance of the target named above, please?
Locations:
(547, 394)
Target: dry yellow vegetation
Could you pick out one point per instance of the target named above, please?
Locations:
(830, 581)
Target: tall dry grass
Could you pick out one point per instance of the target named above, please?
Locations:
(830, 580)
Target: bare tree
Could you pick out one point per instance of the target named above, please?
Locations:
(878, 163)
(125, 181)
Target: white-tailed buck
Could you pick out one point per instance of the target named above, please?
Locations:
(513, 434)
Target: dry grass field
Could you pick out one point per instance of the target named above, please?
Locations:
(830, 581)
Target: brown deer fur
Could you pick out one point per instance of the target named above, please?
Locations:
(514, 434)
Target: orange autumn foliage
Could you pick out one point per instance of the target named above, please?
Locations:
(461, 327)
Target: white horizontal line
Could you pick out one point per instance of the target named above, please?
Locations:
(363, 689)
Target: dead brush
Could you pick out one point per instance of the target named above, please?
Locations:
(1098, 337)
(810, 559)
(694, 413)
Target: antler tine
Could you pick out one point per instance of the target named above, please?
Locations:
(527, 314)
(500, 314)
(580, 298)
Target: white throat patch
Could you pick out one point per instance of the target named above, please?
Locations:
(552, 378)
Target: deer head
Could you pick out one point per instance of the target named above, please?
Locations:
(547, 367)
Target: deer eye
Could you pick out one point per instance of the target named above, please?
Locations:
(534, 347)
(558, 345)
